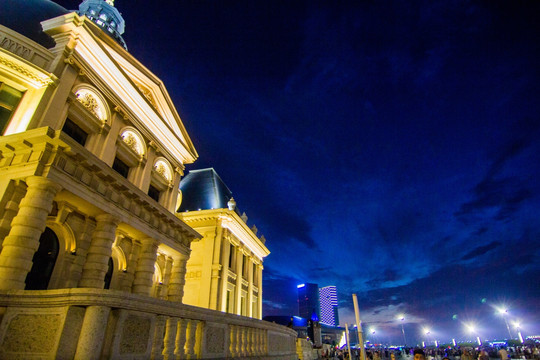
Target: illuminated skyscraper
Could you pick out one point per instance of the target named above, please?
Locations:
(329, 305)
(308, 301)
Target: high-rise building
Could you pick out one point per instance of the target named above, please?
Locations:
(308, 301)
(329, 305)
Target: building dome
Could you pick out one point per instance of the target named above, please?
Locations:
(25, 16)
(106, 16)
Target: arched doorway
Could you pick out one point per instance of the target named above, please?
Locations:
(109, 274)
(43, 261)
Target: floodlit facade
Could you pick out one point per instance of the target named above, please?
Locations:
(329, 305)
(92, 150)
(224, 271)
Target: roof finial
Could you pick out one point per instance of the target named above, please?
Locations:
(110, 2)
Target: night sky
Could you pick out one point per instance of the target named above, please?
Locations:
(390, 148)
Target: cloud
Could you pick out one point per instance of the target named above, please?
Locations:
(501, 193)
(481, 250)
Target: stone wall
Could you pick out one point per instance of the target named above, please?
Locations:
(107, 324)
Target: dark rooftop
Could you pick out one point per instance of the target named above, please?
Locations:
(203, 190)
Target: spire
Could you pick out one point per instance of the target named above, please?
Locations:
(106, 16)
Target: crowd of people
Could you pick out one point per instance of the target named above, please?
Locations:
(529, 352)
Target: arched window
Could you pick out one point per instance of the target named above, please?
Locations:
(109, 274)
(43, 261)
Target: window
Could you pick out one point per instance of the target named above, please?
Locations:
(121, 167)
(154, 193)
(228, 301)
(231, 255)
(75, 132)
(43, 261)
(109, 274)
(255, 275)
(9, 99)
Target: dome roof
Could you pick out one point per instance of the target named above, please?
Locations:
(203, 190)
(25, 16)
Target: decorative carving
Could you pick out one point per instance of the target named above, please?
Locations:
(41, 81)
(89, 102)
(132, 142)
(147, 94)
(162, 170)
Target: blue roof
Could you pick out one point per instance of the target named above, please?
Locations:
(203, 190)
(25, 16)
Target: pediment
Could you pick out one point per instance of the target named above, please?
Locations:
(137, 91)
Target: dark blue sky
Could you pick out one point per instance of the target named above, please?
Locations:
(390, 148)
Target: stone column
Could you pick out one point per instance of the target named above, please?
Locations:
(232, 340)
(166, 276)
(19, 246)
(191, 337)
(249, 299)
(180, 342)
(178, 279)
(92, 333)
(238, 290)
(17, 190)
(158, 341)
(133, 258)
(99, 253)
(222, 294)
(170, 338)
(142, 284)
(260, 293)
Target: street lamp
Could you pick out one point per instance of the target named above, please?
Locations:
(517, 326)
(402, 318)
(471, 329)
(427, 331)
(372, 332)
(504, 313)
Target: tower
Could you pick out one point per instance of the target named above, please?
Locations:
(329, 305)
(308, 301)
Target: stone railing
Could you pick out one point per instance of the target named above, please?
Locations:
(106, 324)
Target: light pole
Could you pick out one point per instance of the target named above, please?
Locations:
(471, 329)
(427, 332)
(372, 331)
(517, 325)
(504, 313)
(402, 318)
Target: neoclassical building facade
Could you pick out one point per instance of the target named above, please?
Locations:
(224, 271)
(92, 150)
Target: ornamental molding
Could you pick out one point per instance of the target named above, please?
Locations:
(148, 95)
(36, 79)
(89, 102)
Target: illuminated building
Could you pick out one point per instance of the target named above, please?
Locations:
(308, 301)
(92, 151)
(224, 271)
(329, 305)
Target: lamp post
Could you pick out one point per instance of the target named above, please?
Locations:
(372, 331)
(471, 329)
(517, 325)
(427, 332)
(402, 318)
(504, 313)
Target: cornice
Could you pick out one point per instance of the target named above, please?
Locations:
(26, 70)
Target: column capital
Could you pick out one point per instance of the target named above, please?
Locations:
(108, 218)
(40, 182)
